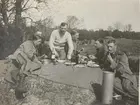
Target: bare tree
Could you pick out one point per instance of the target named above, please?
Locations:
(3, 11)
(74, 22)
(110, 28)
(48, 22)
(3, 8)
(128, 27)
(118, 26)
(18, 7)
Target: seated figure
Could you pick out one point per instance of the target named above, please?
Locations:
(116, 61)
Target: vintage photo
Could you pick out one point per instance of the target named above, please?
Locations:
(69, 52)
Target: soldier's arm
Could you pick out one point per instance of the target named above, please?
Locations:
(28, 49)
(113, 63)
(51, 42)
(37, 60)
(71, 47)
(123, 65)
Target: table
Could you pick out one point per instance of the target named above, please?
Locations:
(80, 77)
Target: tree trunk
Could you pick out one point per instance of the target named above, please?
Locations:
(4, 16)
(18, 6)
(18, 18)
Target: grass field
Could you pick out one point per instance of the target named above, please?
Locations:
(126, 45)
(130, 46)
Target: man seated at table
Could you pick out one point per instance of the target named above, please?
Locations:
(100, 51)
(75, 36)
(58, 40)
(116, 61)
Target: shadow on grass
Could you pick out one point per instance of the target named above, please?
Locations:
(97, 90)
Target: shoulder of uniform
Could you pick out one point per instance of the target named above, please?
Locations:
(121, 53)
(27, 43)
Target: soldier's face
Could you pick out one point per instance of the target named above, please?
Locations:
(63, 29)
(75, 37)
(38, 42)
(112, 47)
(98, 44)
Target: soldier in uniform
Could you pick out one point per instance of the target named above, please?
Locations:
(116, 61)
(75, 37)
(100, 51)
(23, 61)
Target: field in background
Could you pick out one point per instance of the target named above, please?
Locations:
(130, 46)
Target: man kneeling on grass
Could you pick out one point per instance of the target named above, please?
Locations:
(116, 61)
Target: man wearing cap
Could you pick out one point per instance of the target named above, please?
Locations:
(58, 40)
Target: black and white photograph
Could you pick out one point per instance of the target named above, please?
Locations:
(69, 52)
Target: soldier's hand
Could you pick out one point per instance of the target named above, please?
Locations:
(110, 59)
(68, 57)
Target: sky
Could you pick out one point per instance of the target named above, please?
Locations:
(97, 14)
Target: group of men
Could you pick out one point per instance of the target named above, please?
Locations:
(25, 59)
(62, 45)
(111, 58)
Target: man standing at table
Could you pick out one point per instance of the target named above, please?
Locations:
(58, 40)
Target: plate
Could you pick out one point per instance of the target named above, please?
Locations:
(70, 63)
(79, 66)
(93, 65)
(61, 61)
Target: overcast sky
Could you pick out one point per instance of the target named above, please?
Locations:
(96, 13)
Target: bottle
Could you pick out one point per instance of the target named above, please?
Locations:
(53, 56)
(77, 57)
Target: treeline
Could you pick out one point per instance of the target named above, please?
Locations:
(91, 34)
(8, 43)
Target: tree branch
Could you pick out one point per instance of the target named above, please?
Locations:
(25, 4)
(6, 1)
(10, 14)
(29, 8)
(29, 18)
(11, 9)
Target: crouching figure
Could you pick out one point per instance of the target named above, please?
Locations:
(22, 62)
